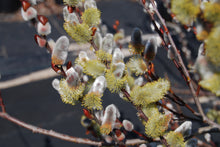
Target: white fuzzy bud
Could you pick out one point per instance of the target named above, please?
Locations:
(79, 70)
(83, 56)
(185, 128)
(98, 40)
(60, 50)
(139, 81)
(119, 70)
(43, 29)
(85, 78)
(128, 125)
(29, 14)
(72, 18)
(72, 78)
(143, 145)
(33, 2)
(108, 139)
(107, 43)
(207, 137)
(89, 4)
(56, 84)
(99, 85)
(117, 56)
(110, 115)
(65, 13)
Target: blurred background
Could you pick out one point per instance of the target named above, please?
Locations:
(37, 102)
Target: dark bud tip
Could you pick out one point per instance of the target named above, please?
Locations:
(68, 65)
(136, 36)
(25, 5)
(42, 19)
(150, 50)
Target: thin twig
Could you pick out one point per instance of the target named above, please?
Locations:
(178, 114)
(2, 103)
(61, 136)
(203, 130)
(186, 73)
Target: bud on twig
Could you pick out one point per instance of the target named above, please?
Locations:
(60, 50)
(150, 50)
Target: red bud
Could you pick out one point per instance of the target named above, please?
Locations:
(87, 113)
(70, 9)
(40, 41)
(42, 19)
(68, 65)
(144, 1)
(25, 5)
(117, 22)
(93, 30)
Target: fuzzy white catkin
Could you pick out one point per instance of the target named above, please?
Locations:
(83, 56)
(119, 70)
(79, 70)
(85, 78)
(108, 138)
(107, 43)
(72, 77)
(143, 145)
(99, 85)
(61, 47)
(29, 14)
(89, 4)
(128, 125)
(117, 56)
(185, 128)
(98, 40)
(207, 137)
(110, 115)
(43, 29)
(65, 13)
(72, 18)
(139, 81)
(56, 84)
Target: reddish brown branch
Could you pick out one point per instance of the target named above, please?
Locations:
(181, 63)
(52, 133)
(2, 103)
(34, 129)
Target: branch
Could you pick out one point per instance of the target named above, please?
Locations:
(2, 103)
(204, 130)
(61, 136)
(181, 63)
